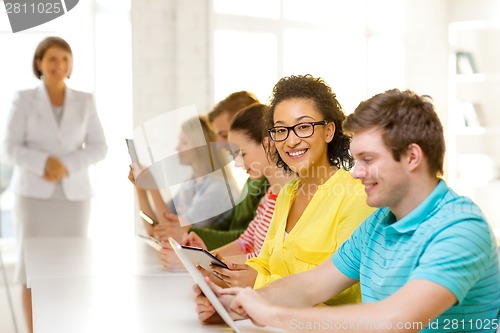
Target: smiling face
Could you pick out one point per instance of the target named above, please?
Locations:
(303, 154)
(251, 157)
(386, 180)
(56, 64)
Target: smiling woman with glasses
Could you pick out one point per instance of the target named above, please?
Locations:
(317, 211)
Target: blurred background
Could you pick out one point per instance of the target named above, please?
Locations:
(142, 58)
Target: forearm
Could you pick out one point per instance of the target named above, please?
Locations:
(160, 206)
(410, 309)
(369, 317)
(145, 206)
(237, 259)
(216, 238)
(278, 292)
(231, 249)
(322, 283)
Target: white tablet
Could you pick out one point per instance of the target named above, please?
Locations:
(131, 150)
(151, 241)
(200, 281)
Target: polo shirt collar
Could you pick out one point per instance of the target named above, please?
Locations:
(410, 222)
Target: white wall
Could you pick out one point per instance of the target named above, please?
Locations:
(170, 50)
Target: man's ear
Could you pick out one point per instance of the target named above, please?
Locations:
(330, 131)
(415, 156)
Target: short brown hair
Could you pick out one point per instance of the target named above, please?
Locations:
(232, 104)
(404, 118)
(43, 46)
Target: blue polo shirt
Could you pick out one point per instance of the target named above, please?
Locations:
(447, 240)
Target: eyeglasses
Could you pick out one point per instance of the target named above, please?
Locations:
(302, 130)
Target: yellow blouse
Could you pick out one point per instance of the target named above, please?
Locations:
(336, 209)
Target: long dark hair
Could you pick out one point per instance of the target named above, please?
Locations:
(250, 121)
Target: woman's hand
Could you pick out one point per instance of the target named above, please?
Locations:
(172, 227)
(192, 239)
(238, 275)
(169, 259)
(54, 170)
(131, 175)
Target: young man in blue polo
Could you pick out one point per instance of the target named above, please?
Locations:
(426, 259)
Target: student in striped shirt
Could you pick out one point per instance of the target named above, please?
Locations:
(426, 259)
(249, 142)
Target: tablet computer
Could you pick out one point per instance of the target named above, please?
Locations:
(200, 281)
(202, 257)
(131, 151)
(151, 241)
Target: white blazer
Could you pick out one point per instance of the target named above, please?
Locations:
(33, 134)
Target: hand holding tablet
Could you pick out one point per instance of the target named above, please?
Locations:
(151, 241)
(202, 257)
(200, 281)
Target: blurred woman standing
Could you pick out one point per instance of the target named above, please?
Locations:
(53, 135)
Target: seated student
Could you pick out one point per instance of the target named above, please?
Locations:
(426, 259)
(199, 200)
(316, 212)
(233, 225)
(247, 134)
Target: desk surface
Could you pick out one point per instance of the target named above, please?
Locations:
(69, 257)
(134, 304)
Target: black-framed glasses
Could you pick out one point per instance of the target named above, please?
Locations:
(302, 130)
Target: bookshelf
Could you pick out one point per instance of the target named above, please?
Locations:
(474, 114)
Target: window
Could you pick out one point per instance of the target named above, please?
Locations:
(356, 46)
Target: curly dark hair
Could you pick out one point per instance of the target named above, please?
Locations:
(318, 91)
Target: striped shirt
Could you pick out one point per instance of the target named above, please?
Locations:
(445, 240)
(252, 239)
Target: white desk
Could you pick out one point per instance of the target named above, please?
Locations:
(135, 304)
(69, 257)
(81, 285)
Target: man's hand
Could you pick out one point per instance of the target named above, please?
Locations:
(247, 303)
(206, 311)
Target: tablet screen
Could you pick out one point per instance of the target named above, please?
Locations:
(153, 242)
(199, 256)
(131, 151)
(200, 281)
